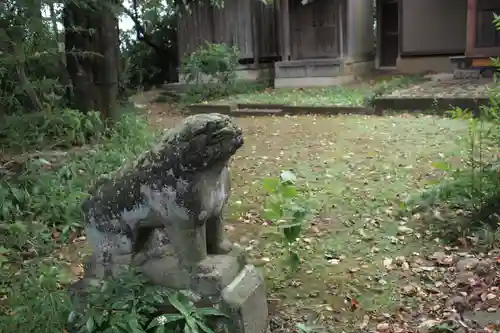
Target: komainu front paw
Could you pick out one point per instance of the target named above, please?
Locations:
(224, 247)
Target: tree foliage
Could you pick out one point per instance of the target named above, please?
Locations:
(72, 54)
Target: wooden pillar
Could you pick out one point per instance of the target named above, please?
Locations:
(340, 27)
(285, 28)
(471, 27)
(255, 8)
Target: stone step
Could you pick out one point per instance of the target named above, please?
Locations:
(467, 74)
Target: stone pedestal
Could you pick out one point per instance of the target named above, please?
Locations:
(163, 216)
(224, 282)
(244, 300)
(227, 283)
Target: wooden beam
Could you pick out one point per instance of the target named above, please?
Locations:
(471, 27)
(486, 52)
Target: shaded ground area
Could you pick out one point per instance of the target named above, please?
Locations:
(362, 266)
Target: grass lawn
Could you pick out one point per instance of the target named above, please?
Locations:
(312, 96)
(360, 262)
(357, 169)
(321, 96)
(363, 265)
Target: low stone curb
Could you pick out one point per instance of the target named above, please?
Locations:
(211, 108)
(437, 105)
(256, 113)
(259, 106)
(326, 110)
(250, 110)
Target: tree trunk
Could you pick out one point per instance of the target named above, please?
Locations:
(25, 83)
(92, 54)
(64, 77)
(110, 50)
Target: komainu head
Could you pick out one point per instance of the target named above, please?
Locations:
(204, 141)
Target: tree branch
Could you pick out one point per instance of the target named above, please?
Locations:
(141, 32)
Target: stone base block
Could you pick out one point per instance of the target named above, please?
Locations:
(207, 279)
(245, 301)
(165, 272)
(221, 281)
(95, 269)
(215, 273)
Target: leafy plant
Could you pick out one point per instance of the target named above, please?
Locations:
(211, 70)
(49, 129)
(130, 304)
(40, 201)
(33, 300)
(286, 208)
(40, 196)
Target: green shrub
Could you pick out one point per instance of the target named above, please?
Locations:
(49, 129)
(210, 71)
(42, 194)
(33, 301)
(39, 208)
(36, 301)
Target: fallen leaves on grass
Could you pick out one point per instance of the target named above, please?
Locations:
(361, 267)
(339, 96)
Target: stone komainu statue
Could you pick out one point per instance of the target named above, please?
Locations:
(163, 215)
(164, 212)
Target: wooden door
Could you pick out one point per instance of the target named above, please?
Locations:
(388, 19)
(313, 29)
(325, 29)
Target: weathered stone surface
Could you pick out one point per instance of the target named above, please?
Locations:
(169, 197)
(163, 215)
(244, 300)
(216, 272)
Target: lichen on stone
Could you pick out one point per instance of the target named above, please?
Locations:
(195, 144)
